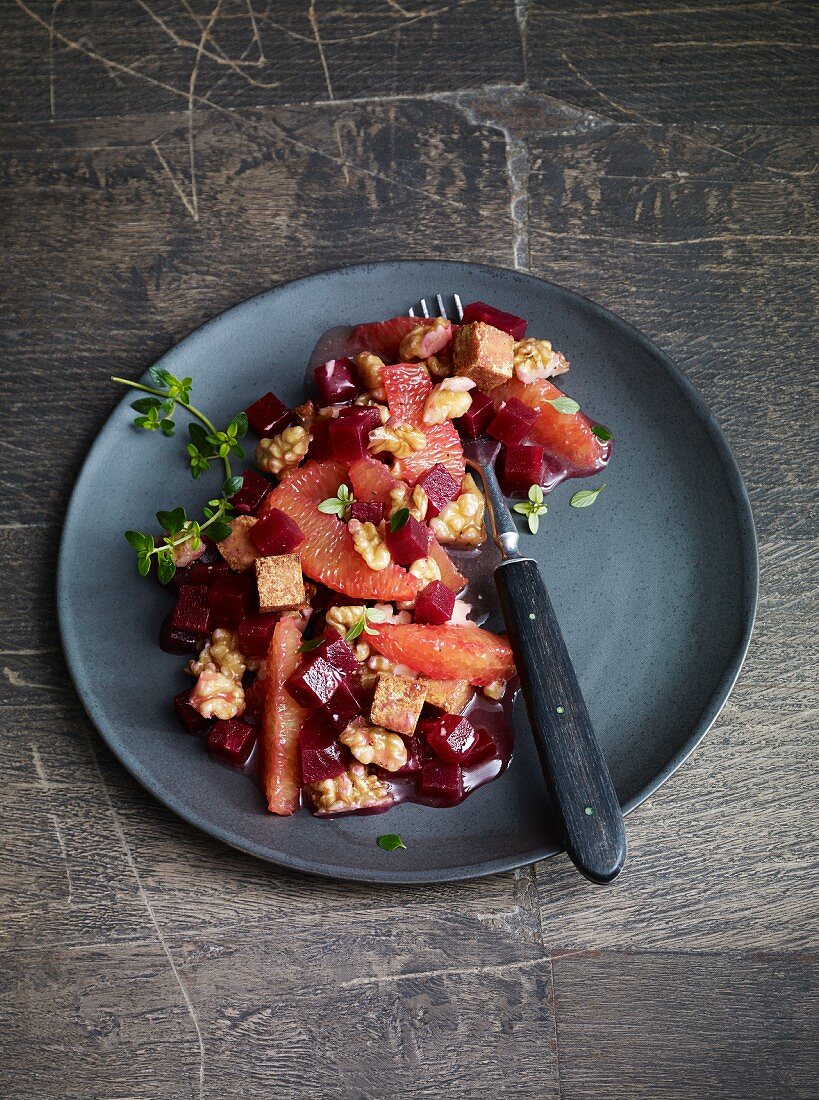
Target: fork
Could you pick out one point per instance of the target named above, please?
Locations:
(588, 813)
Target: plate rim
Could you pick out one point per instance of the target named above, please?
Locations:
(386, 876)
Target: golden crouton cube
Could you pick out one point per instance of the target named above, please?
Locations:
(237, 549)
(397, 703)
(450, 696)
(280, 583)
(483, 353)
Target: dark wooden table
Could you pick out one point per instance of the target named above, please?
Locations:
(163, 160)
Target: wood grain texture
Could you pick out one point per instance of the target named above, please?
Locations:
(160, 161)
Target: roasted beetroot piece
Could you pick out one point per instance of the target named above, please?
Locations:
(521, 466)
(512, 422)
(408, 543)
(434, 604)
(231, 741)
(415, 757)
(441, 781)
(336, 652)
(322, 754)
(203, 572)
(255, 632)
(275, 533)
(485, 747)
(192, 611)
(440, 486)
(320, 448)
(507, 322)
(343, 707)
(255, 694)
(231, 599)
(372, 512)
(368, 415)
(314, 683)
(348, 439)
(268, 415)
(253, 491)
(189, 718)
(451, 737)
(474, 422)
(176, 640)
(335, 381)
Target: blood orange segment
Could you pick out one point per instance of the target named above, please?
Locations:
(566, 436)
(327, 553)
(383, 338)
(408, 386)
(372, 481)
(450, 575)
(279, 771)
(446, 652)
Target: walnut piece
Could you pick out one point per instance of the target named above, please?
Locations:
(461, 522)
(534, 359)
(495, 690)
(184, 553)
(417, 500)
(368, 543)
(220, 654)
(426, 570)
(448, 400)
(425, 339)
(438, 366)
(284, 451)
(399, 439)
(369, 371)
(374, 745)
(217, 696)
(342, 617)
(354, 790)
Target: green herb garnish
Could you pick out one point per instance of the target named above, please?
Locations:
(310, 644)
(362, 625)
(602, 432)
(390, 842)
(586, 497)
(207, 445)
(533, 508)
(339, 505)
(400, 519)
(564, 404)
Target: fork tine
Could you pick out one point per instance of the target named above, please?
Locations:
(424, 310)
(441, 306)
(411, 311)
(459, 309)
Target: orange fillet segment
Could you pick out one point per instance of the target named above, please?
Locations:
(383, 338)
(408, 387)
(327, 553)
(372, 481)
(446, 652)
(450, 575)
(279, 771)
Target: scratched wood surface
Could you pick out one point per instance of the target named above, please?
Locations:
(164, 159)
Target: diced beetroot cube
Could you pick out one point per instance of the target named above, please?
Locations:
(275, 533)
(255, 693)
(507, 322)
(348, 439)
(368, 415)
(336, 652)
(434, 604)
(205, 572)
(320, 448)
(314, 683)
(189, 717)
(322, 754)
(231, 599)
(335, 381)
(473, 423)
(268, 415)
(231, 741)
(192, 611)
(450, 736)
(176, 640)
(520, 467)
(367, 511)
(253, 491)
(440, 486)
(441, 781)
(408, 543)
(342, 708)
(512, 422)
(485, 747)
(255, 632)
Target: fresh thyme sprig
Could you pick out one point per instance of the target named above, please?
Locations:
(207, 445)
(533, 508)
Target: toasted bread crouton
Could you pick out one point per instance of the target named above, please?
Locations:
(484, 354)
(397, 703)
(280, 583)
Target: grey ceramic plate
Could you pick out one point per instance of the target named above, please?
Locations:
(655, 585)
